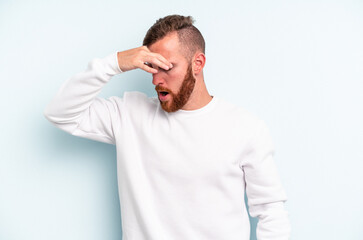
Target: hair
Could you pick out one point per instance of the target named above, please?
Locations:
(189, 36)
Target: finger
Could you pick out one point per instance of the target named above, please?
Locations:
(164, 60)
(146, 67)
(160, 57)
(156, 62)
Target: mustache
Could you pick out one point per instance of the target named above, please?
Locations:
(160, 88)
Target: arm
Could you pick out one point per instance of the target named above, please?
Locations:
(264, 190)
(76, 108)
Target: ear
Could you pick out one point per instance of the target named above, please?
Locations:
(198, 63)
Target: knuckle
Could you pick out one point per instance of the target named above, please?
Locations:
(144, 48)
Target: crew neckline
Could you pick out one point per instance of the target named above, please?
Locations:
(204, 109)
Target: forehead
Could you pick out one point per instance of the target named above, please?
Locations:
(169, 47)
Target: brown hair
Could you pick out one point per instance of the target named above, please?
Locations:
(189, 36)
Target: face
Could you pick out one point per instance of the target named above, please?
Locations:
(175, 101)
(178, 81)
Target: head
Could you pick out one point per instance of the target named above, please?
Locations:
(181, 43)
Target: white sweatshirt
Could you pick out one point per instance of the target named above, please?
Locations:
(181, 175)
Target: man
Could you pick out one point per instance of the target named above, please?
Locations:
(185, 158)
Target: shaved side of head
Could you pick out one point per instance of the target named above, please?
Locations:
(189, 36)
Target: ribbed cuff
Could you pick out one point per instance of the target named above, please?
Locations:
(111, 64)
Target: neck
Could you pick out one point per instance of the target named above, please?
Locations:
(199, 97)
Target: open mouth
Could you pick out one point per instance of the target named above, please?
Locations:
(163, 93)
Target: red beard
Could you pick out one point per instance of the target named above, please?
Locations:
(178, 100)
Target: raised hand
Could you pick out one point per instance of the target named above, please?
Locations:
(143, 58)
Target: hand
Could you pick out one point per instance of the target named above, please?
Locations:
(143, 58)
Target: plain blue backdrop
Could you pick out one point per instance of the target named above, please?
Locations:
(296, 64)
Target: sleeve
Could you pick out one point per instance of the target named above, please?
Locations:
(76, 108)
(264, 190)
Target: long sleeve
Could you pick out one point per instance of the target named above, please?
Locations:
(264, 190)
(76, 108)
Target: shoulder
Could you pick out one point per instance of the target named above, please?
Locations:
(243, 126)
(136, 97)
(239, 114)
(138, 103)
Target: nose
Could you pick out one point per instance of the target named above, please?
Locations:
(158, 79)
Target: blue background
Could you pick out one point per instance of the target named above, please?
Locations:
(296, 64)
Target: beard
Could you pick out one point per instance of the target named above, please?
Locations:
(178, 100)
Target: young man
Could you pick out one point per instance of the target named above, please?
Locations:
(185, 158)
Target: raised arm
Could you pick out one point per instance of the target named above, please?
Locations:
(78, 110)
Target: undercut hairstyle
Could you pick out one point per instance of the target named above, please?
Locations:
(189, 36)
